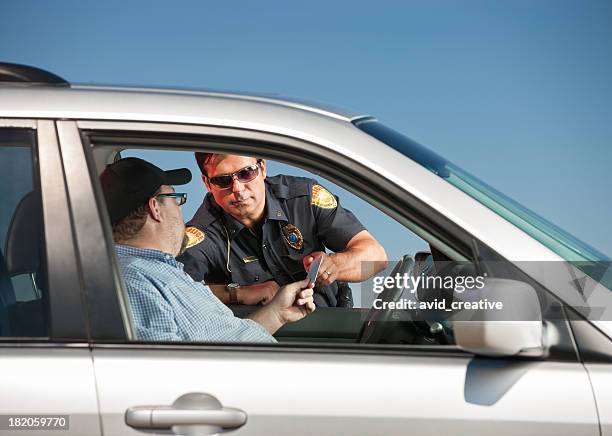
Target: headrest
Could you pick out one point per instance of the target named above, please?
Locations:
(24, 238)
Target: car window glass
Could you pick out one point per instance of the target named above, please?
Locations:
(588, 259)
(422, 315)
(395, 238)
(388, 308)
(22, 266)
(329, 324)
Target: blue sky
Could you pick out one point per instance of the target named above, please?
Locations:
(516, 92)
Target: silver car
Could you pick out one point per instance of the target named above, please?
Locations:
(69, 359)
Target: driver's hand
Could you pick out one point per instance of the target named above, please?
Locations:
(293, 302)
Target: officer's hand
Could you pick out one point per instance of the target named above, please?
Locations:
(293, 301)
(328, 271)
(259, 293)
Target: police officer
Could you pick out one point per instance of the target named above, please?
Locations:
(254, 233)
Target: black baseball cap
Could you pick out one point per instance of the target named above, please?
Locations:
(130, 182)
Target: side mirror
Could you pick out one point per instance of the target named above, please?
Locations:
(516, 329)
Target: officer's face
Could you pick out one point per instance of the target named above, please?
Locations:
(244, 201)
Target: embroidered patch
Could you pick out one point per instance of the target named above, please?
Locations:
(322, 198)
(293, 236)
(194, 235)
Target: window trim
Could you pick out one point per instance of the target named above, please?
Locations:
(274, 146)
(66, 309)
(18, 123)
(66, 324)
(107, 316)
(184, 137)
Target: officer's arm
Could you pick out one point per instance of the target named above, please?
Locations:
(361, 259)
(247, 294)
(220, 292)
(357, 256)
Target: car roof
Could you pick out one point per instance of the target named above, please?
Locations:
(69, 101)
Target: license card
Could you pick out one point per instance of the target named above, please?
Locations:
(314, 269)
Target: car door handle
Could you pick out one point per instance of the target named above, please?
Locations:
(167, 417)
(189, 412)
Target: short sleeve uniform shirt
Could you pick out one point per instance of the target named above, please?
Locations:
(300, 217)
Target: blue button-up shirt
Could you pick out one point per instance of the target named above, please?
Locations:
(168, 305)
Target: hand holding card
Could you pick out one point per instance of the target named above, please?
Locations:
(313, 271)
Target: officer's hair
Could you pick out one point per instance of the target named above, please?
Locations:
(203, 159)
(127, 228)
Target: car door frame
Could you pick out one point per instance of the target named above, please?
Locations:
(396, 202)
(107, 340)
(67, 318)
(45, 375)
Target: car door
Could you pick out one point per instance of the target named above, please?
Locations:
(596, 354)
(46, 369)
(312, 388)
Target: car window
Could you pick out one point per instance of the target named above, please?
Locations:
(23, 277)
(385, 309)
(570, 248)
(397, 240)
(326, 324)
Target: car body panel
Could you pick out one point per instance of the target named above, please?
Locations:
(329, 393)
(311, 106)
(50, 380)
(601, 378)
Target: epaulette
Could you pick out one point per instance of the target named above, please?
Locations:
(287, 187)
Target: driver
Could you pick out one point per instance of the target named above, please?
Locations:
(254, 233)
(167, 305)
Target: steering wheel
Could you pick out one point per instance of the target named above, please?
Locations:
(377, 321)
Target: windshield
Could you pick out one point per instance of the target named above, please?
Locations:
(585, 257)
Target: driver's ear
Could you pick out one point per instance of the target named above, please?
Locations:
(263, 168)
(154, 209)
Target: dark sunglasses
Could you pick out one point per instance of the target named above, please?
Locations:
(179, 197)
(244, 175)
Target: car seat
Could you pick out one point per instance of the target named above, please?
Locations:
(24, 255)
(7, 299)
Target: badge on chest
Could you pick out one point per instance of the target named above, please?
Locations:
(293, 236)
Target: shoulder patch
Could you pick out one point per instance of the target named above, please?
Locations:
(322, 198)
(194, 236)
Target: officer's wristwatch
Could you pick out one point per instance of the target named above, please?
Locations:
(232, 289)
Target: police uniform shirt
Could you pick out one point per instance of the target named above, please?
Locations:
(300, 217)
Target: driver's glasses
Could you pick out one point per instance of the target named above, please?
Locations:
(244, 175)
(179, 197)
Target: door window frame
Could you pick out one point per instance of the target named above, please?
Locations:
(408, 210)
(65, 316)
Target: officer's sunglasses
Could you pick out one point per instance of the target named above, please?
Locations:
(179, 197)
(244, 175)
